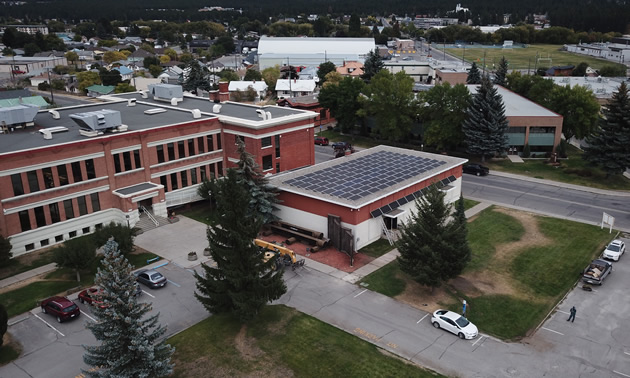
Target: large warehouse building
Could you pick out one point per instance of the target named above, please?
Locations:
(304, 51)
(70, 170)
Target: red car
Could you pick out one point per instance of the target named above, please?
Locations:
(60, 307)
(89, 296)
(18, 72)
(322, 141)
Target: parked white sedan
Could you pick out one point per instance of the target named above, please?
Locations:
(454, 323)
(615, 249)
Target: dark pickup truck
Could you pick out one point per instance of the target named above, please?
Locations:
(596, 271)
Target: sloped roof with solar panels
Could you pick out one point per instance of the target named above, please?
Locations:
(365, 176)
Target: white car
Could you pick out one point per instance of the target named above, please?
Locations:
(454, 323)
(615, 249)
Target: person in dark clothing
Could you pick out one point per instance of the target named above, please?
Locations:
(572, 316)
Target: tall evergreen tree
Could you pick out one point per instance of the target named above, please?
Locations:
(263, 196)
(4, 319)
(429, 246)
(241, 283)
(474, 76)
(486, 124)
(456, 261)
(195, 77)
(130, 346)
(609, 146)
(501, 73)
(373, 64)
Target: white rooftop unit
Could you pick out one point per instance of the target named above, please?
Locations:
(167, 92)
(19, 114)
(98, 120)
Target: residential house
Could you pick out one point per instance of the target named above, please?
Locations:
(295, 88)
(100, 90)
(139, 55)
(308, 73)
(125, 73)
(560, 70)
(243, 86)
(171, 75)
(351, 68)
(312, 104)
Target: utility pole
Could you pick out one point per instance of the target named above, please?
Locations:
(484, 62)
(52, 96)
(444, 48)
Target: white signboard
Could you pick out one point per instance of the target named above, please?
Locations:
(609, 220)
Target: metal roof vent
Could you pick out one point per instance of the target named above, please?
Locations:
(216, 108)
(262, 114)
(98, 120)
(131, 102)
(55, 114)
(167, 92)
(19, 114)
(196, 113)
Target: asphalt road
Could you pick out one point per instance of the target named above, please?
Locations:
(553, 200)
(63, 100)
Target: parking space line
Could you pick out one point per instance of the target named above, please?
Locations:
(150, 295)
(422, 318)
(48, 324)
(361, 293)
(83, 312)
(626, 353)
(551, 330)
(178, 285)
(190, 270)
(564, 312)
(478, 340)
(625, 375)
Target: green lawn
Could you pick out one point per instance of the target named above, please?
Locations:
(386, 280)
(25, 298)
(377, 249)
(522, 58)
(139, 260)
(281, 342)
(198, 212)
(469, 204)
(18, 264)
(573, 170)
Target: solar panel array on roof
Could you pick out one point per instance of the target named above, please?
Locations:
(364, 176)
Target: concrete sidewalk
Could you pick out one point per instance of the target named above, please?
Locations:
(562, 184)
(27, 275)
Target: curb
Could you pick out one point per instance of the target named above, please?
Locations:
(562, 185)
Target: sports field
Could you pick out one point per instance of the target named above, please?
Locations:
(524, 58)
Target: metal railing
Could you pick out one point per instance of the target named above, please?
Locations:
(388, 233)
(144, 209)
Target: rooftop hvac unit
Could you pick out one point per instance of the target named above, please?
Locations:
(98, 120)
(19, 114)
(167, 92)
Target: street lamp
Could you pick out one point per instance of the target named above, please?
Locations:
(52, 96)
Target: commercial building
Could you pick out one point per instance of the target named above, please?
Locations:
(70, 170)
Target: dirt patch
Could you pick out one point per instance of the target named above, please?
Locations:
(489, 281)
(9, 341)
(247, 345)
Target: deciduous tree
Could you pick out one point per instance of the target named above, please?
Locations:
(242, 282)
(76, 254)
(609, 146)
(113, 56)
(323, 70)
(343, 101)
(443, 113)
(87, 79)
(130, 345)
(579, 108)
(252, 75)
(271, 76)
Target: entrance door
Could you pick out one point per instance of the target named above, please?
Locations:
(147, 203)
(391, 223)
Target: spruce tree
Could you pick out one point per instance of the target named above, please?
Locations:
(373, 63)
(4, 320)
(609, 146)
(5, 250)
(486, 124)
(263, 196)
(196, 77)
(241, 283)
(456, 261)
(130, 346)
(430, 246)
(502, 71)
(474, 76)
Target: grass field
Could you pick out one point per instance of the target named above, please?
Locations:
(23, 263)
(282, 342)
(522, 58)
(377, 249)
(521, 266)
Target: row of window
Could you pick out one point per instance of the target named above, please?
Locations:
(130, 160)
(59, 238)
(536, 130)
(51, 177)
(188, 147)
(266, 142)
(191, 176)
(52, 213)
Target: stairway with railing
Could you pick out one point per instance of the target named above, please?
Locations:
(148, 220)
(388, 233)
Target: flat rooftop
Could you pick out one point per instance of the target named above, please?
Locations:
(517, 105)
(365, 176)
(30, 138)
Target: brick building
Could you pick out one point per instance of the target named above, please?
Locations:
(68, 171)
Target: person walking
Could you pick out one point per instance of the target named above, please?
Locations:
(464, 308)
(572, 315)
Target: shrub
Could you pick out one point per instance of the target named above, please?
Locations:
(526, 151)
(43, 86)
(4, 319)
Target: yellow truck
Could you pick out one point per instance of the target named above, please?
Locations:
(284, 256)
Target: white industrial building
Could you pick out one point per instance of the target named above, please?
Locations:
(304, 51)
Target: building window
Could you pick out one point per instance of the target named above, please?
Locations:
(96, 203)
(127, 161)
(160, 153)
(542, 130)
(136, 158)
(85, 230)
(29, 247)
(220, 169)
(77, 176)
(63, 175)
(49, 180)
(265, 142)
(33, 183)
(203, 173)
(191, 147)
(117, 166)
(25, 220)
(18, 188)
(98, 226)
(174, 181)
(219, 141)
(200, 145)
(44, 242)
(68, 208)
(89, 167)
(40, 217)
(171, 151)
(164, 183)
(181, 149)
(277, 146)
(72, 234)
(82, 205)
(267, 163)
(193, 176)
(277, 167)
(210, 139)
(54, 212)
(58, 238)
(184, 175)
